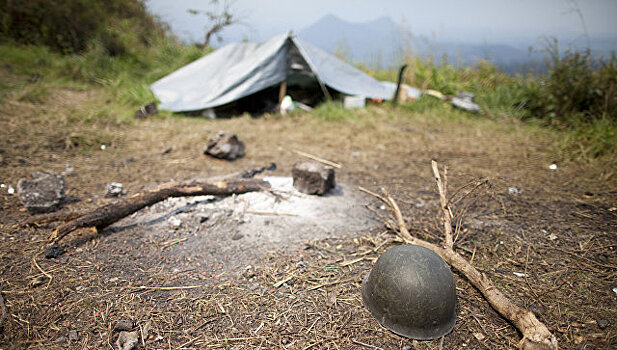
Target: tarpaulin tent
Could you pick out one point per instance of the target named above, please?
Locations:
(240, 70)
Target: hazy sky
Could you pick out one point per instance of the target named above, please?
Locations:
(471, 20)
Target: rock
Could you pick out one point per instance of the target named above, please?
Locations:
(602, 323)
(37, 281)
(53, 251)
(237, 236)
(114, 189)
(43, 194)
(61, 340)
(174, 221)
(313, 178)
(146, 111)
(225, 146)
(73, 335)
(124, 326)
(127, 340)
(537, 309)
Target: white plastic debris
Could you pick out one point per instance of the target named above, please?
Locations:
(552, 237)
(553, 166)
(615, 290)
(350, 102)
(287, 105)
(103, 147)
(514, 190)
(174, 221)
(114, 189)
(519, 274)
(2, 186)
(10, 190)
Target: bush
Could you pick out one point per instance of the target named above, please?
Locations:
(577, 88)
(69, 26)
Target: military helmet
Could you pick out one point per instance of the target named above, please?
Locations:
(411, 292)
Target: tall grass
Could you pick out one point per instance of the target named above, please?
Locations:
(577, 96)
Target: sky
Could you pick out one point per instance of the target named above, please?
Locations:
(478, 21)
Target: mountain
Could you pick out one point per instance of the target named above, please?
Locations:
(376, 42)
(381, 43)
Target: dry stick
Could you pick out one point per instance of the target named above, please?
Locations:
(321, 160)
(535, 334)
(447, 224)
(53, 217)
(3, 311)
(108, 214)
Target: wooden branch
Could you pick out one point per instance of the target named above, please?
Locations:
(3, 311)
(108, 214)
(67, 215)
(536, 335)
(53, 217)
(447, 220)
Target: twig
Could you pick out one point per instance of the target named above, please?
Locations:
(172, 242)
(166, 288)
(535, 334)
(48, 275)
(280, 283)
(332, 283)
(3, 312)
(447, 220)
(365, 345)
(257, 212)
(321, 160)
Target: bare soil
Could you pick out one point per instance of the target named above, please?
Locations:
(193, 286)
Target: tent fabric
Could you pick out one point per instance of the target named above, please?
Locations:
(239, 70)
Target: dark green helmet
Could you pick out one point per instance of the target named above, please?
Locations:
(411, 291)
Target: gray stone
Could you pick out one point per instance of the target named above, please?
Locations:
(114, 189)
(146, 111)
(603, 323)
(43, 194)
(73, 335)
(225, 146)
(127, 340)
(61, 340)
(53, 251)
(313, 177)
(124, 326)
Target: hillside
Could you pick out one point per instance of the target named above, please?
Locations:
(532, 180)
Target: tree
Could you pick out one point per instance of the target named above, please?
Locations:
(219, 17)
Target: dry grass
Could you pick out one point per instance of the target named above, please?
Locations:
(178, 303)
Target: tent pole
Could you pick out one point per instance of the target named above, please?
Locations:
(282, 92)
(398, 84)
(323, 89)
(305, 56)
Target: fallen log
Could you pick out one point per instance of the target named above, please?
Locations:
(109, 213)
(536, 335)
(64, 215)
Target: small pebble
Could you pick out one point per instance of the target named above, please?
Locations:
(237, 236)
(60, 340)
(53, 251)
(35, 282)
(124, 325)
(73, 335)
(603, 323)
(127, 340)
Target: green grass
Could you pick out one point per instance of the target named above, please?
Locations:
(586, 123)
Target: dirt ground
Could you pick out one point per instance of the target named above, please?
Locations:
(558, 234)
